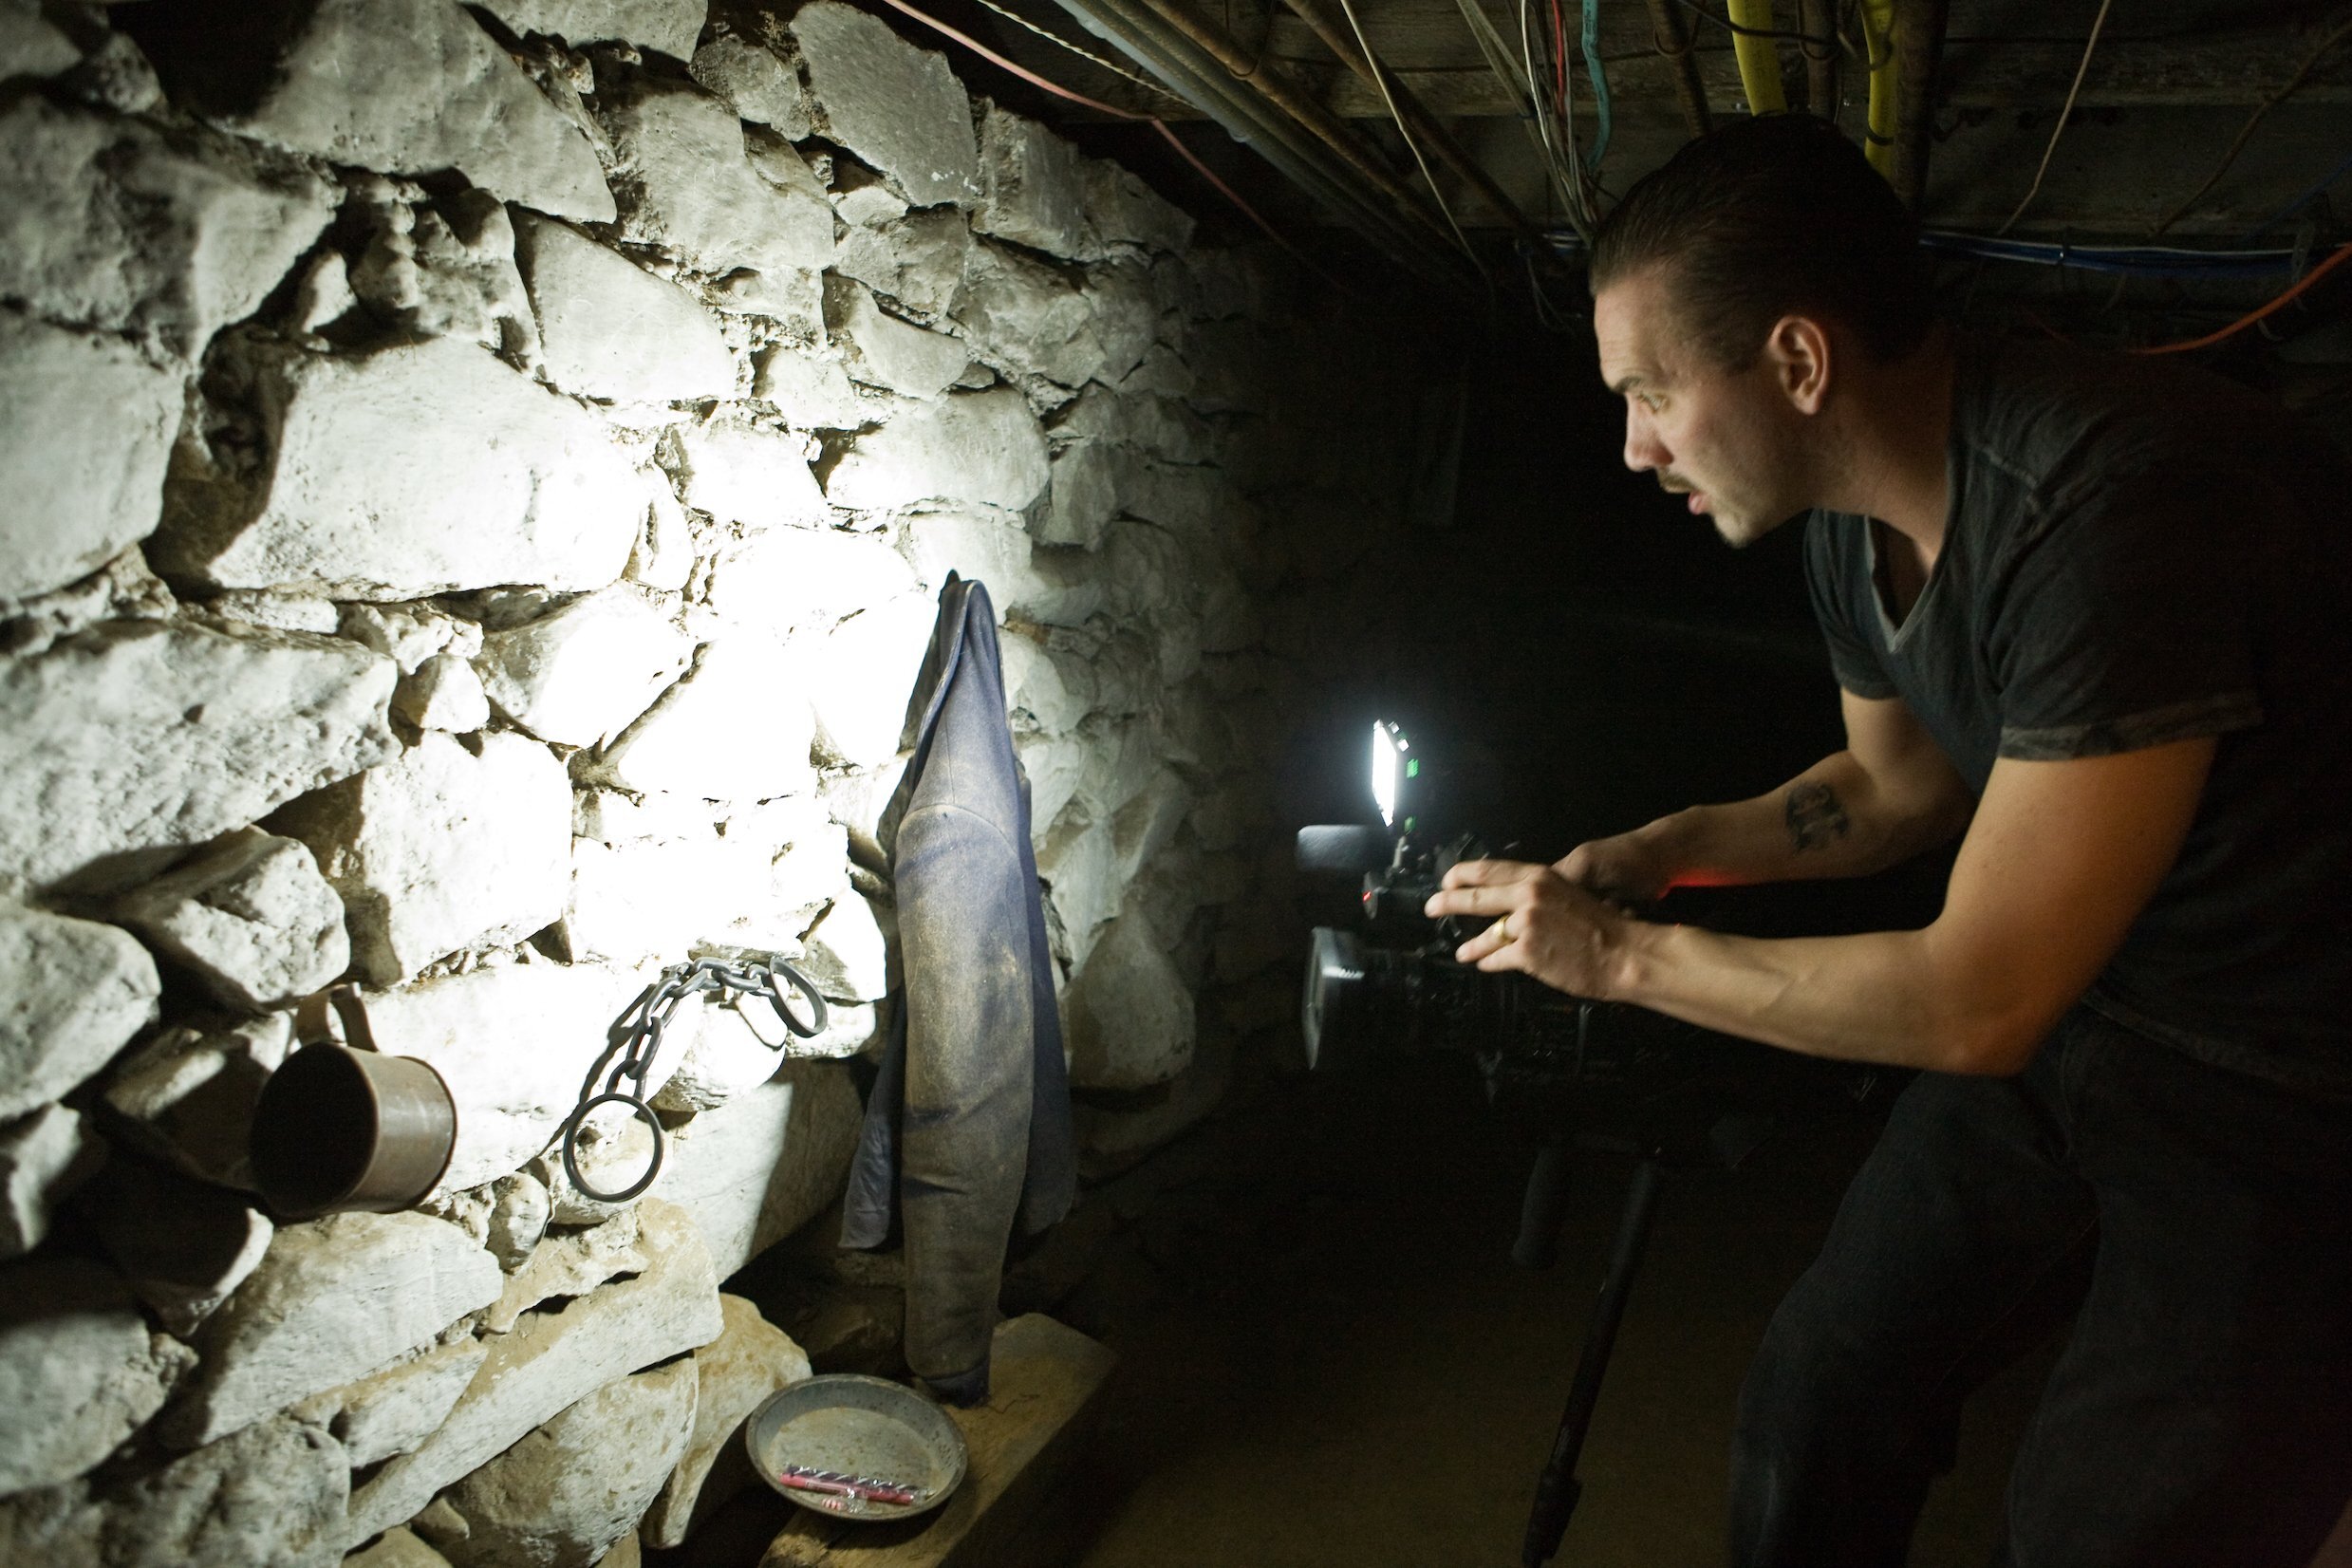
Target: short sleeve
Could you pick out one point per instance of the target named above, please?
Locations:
(1835, 565)
(2125, 623)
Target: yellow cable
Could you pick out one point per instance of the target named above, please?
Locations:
(1879, 37)
(1759, 57)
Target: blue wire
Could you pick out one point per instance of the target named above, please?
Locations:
(1593, 69)
(2304, 200)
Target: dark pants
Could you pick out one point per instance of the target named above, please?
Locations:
(2197, 1222)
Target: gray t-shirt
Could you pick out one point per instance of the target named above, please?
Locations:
(2138, 552)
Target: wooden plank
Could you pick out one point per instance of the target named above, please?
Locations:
(1043, 1381)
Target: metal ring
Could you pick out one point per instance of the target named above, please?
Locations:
(806, 988)
(644, 1113)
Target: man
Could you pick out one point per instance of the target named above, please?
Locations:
(2088, 615)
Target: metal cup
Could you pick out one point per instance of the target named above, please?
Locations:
(338, 1130)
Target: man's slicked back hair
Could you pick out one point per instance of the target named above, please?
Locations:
(1770, 217)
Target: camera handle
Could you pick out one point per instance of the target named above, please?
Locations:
(1558, 1490)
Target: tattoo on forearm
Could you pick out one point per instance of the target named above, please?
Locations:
(1815, 816)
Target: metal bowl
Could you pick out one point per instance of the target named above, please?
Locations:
(864, 1426)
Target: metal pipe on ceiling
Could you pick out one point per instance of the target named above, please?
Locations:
(1918, 53)
(1670, 31)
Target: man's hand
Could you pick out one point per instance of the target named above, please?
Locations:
(1546, 925)
(1628, 867)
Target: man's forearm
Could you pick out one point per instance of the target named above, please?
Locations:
(1829, 821)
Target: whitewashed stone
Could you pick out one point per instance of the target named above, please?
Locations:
(1024, 583)
(30, 45)
(1162, 427)
(920, 260)
(846, 952)
(250, 917)
(1088, 479)
(1033, 188)
(397, 1549)
(514, 1043)
(144, 737)
(856, 797)
(114, 224)
(333, 1298)
(611, 329)
(184, 1245)
(442, 848)
(1129, 1015)
(74, 1349)
(687, 187)
(1162, 373)
(727, 1055)
(394, 1410)
(811, 392)
(43, 1158)
(728, 731)
(444, 694)
(750, 1360)
(765, 1164)
(76, 991)
(580, 673)
(518, 1218)
(795, 301)
(1075, 861)
(424, 469)
(669, 27)
(862, 198)
(658, 902)
(1043, 694)
(77, 489)
(443, 270)
(568, 1266)
(568, 1491)
(886, 351)
(898, 107)
(981, 448)
(663, 557)
(751, 475)
(1128, 211)
(187, 1095)
(551, 1359)
(1121, 318)
(860, 677)
(1021, 313)
(757, 85)
(409, 634)
(1110, 1141)
(1054, 765)
(805, 579)
(439, 95)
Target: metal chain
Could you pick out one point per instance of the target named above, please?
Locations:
(648, 1019)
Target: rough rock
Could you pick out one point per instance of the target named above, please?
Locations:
(568, 1266)
(811, 392)
(397, 1549)
(187, 1095)
(1128, 211)
(1033, 188)
(74, 1348)
(657, 902)
(1160, 426)
(1110, 1141)
(444, 694)
(30, 45)
(394, 1410)
(551, 1359)
(579, 673)
(920, 260)
(76, 992)
(1129, 1015)
(663, 557)
(43, 1158)
(765, 1164)
(436, 271)
(979, 448)
(442, 848)
(136, 735)
(424, 469)
(114, 224)
(514, 1043)
(1124, 317)
(1042, 694)
(78, 489)
(887, 352)
(611, 329)
(570, 1489)
(250, 917)
(184, 1245)
(669, 27)
(860, 677)
(751, 475)
(1024, 315)
(518, 1218)
(331, 1299)
(848, 953)
(440, 95)
(757, 85)
(1075, 861)
(799, 579)
(726, 732)
(1088, 479)
(898, 107)
(749, 1362)
(409, 634)
(1044, 587)
(687, 186)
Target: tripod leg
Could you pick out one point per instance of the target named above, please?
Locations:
(1557, 1488)
(1545, 1206)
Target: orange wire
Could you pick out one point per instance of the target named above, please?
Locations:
(2240, 324)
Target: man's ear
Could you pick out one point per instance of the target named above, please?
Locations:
(1799, 353)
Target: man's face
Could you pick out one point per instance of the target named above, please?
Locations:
(1726, 439)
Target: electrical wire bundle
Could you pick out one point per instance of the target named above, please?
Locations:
(1541, 90)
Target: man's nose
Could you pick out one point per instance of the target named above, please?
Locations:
(1643, 450)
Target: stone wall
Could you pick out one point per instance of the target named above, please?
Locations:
(474, 483)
